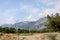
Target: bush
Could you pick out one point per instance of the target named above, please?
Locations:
(52, 37)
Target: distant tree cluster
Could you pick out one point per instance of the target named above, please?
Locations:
(13, 30)
(53, 22)
(7, 30)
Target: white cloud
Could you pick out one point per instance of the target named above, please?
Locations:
(30, 18)
(6, 17)
(33, 10)
(10, 20)
(29, 8)
(7, 20)
(57, 6)
(46, 11)
(45, 2)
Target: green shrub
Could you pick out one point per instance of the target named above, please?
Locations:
(52, 37)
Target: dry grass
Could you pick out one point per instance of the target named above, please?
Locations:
(37, 36)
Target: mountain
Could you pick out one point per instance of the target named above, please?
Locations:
(24, 25)
(36, 25)
(7, 25)
(41, 23)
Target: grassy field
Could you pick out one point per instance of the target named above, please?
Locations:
(35, 36)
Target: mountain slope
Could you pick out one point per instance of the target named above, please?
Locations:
(39, 24)
(7, 25)
(24, 25)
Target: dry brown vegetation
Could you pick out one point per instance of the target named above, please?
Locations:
(37, 36)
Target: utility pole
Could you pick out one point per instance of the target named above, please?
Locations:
(16, 28)
(28, 29)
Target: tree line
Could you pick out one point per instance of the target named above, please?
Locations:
(13, 30)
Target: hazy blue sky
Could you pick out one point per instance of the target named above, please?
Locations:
(26, 10)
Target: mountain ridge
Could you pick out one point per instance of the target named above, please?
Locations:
(36, 25)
